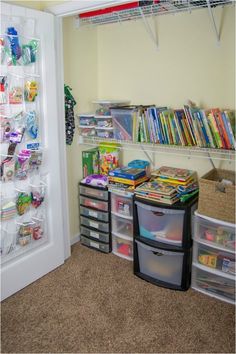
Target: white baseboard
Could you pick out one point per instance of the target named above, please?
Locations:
(75, 239)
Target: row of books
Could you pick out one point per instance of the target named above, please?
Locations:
(127, 177)
(189, 126)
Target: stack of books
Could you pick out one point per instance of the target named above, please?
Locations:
(127, 177)
(169, 185)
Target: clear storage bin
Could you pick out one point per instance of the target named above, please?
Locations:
(122, 246)
(94, 244)
(121, 226)
(214, 285)
(123, 122)
(86, 120)
(106, 133)
(121, 205)
(216, 260)
(95, 224)
(103, 121)
(103, 216)
(160, 224)
(100, 236)
(161, 265)
(214, 232)
(93, 203)
(94, 192)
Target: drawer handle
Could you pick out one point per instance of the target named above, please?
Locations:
(158, 213)
(157, 253)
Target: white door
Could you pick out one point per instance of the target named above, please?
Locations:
(32, 213)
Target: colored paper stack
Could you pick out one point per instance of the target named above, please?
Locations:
(8, 211)
(169, 185)
(127, 177)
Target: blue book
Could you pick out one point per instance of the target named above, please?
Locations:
(128, 173)
(199, 116)
(228, 129)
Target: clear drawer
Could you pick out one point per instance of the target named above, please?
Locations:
(121, 205)
(214, 285)
(93, 203)
(161, 265)
(214, 232)
(95, 224)
(103, 216)
(122, 247)
(100, 236)
(94, 192)
(160, 224)
(217, 261)
(94, 244)
(121, 226)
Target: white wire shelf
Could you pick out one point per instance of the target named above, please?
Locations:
(162, 7)
(184, 151)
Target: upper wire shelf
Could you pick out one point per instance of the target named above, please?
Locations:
(156, 8)
(184, 151)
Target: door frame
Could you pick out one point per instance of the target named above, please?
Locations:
(61, 131)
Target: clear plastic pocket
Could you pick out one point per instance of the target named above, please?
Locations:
(8, 238)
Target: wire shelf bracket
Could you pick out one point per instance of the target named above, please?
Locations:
(217, 33)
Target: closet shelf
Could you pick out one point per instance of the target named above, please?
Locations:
(135, 12)
(184, 151)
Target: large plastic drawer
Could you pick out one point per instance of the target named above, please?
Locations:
(93, 203)
(94, 244)
(123, 247)
(121, 226)
(160, 224)
(163, 266)
(214, 232)
(93, 192)
(95, 224)
(121, 205)
(102, 216)
(220, 287)
(214, 259)
(100, 236)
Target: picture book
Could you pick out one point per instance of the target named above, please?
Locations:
(158, 199)
(157, 187)
(128, 173)
(128, 181)
(172, 172)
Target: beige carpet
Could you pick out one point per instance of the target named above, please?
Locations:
(94, 303)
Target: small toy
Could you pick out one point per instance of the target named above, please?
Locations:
(8, 170)
(37, 199)
(3, 87)
(14, 43)
(96, 180)
(209, 235)
(124, 249)
(25, 234)
(23, 203)
(31, 90)
(16, 95)
(37, 232)
(29, 52)
(22, 164)
(31, 124)
(208, 260)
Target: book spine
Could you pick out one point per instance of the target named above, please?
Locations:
(190, 123)
(207, 128)
(127, 181)
(206, 139)
(178, 129)
(224, 132)
(218, 124)
(229, 127)
(215, 130)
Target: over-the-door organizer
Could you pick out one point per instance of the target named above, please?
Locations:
(213, 271)
(23, 185)
(122, 223)
(95, 217)
(162, 242)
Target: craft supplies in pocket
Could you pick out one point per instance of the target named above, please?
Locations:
(8, 169)
(16, 89)
(23, 164)
(3, 89)
(31, 88)
(17, 128)
(8, 208)
(31, 124)
(25, 233)
(37, 228)
(23, 202)
(37, 194)
(29, 51)
(5, 130)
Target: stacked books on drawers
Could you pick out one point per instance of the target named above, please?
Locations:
(95, 217)
(213, 271)
(162, 242)
(122, 223)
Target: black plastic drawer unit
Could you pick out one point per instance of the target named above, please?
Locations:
(95, 218)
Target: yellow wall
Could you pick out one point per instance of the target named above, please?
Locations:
(80, 63)
(34, 4)
(120, 61)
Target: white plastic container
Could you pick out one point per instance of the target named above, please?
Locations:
(121, 205)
